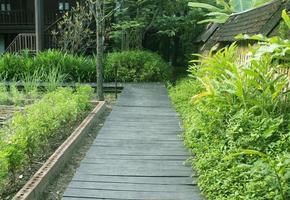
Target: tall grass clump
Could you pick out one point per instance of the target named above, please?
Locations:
(236, 117)
(76, 68)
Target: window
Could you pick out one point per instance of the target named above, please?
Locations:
(5, 5)
(8, 7)
(63, 5)
(60, 5)
(66, 6)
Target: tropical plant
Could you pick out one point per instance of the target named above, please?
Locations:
(228, 107)
(224, 8)
(240, 110)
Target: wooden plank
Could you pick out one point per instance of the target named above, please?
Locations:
(131, 171)
(139, 162)
(131, 195)
(135, 153)
(135, 157)
(140, 145)
(134, 166)
(130, 187)
(138, 153)
(135, 180)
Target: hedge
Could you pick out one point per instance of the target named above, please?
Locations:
(136, 66)
(132, 66)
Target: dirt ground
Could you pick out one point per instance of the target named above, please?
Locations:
(56, 189)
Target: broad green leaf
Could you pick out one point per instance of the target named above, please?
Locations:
(205, 6)
(218, 14)
(241, 5)
(226, 6)
(218, 20)
(257, 3)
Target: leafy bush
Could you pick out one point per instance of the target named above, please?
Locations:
(75, 68)
(236, 119)
(134, 66)
(26, 134)
(52, 65)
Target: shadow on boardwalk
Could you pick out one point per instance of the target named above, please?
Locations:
(137, 154)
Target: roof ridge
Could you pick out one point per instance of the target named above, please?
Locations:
(264, 5)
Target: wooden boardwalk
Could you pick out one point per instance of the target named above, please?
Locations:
(137, 154)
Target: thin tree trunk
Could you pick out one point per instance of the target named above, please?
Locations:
(100, 48)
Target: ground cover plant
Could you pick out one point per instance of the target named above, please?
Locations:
(236, 119)
(26, 135)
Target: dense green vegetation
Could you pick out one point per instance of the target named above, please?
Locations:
(236, 119)
(236, 113)
(55, 66)
(75, 68)
(136, 66)
(26, 136)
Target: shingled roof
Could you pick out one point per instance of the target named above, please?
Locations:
(261, 20)
(207, 33)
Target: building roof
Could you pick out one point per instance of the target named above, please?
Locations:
(207, 33)
(261, 20)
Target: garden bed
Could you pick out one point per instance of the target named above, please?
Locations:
(32, 132)
(6, 112)
(36, 185)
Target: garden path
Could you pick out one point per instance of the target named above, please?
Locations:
(138, 154)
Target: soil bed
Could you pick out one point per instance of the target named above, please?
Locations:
(54, 142)
(56, 189)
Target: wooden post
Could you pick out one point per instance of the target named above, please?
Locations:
(39, 16)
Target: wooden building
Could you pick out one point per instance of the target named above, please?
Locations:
(264, 20)
(17, 22)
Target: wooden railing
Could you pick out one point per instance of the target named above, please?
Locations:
(16, 17)
(26, 17)
(21, 42)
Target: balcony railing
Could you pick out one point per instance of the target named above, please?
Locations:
(27, 17)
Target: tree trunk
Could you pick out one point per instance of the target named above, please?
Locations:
(100, 48)
(38, 4)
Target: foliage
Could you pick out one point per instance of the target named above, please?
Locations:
(54, 67)
(238, 110)
(135, 66)
(26, 134)
(74, 33)
(19, 67)
(220, 15)
(167, 27)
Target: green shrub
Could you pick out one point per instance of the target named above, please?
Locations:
(231, 113)
(12, 66)
(27, 133)
(75, 68)
(135, 66)
(132, 66)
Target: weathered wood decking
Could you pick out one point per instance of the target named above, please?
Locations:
(137, 154)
